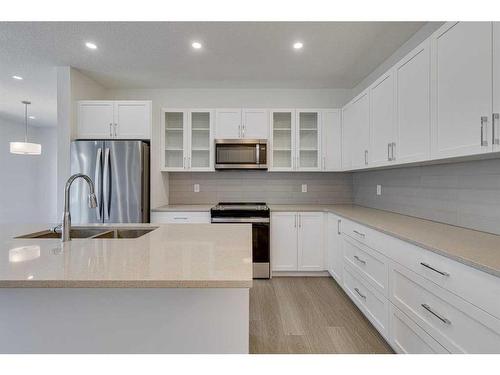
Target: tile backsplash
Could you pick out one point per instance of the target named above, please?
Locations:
(466, 194)
(269, 187)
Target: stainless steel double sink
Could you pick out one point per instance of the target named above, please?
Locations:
(93, 232)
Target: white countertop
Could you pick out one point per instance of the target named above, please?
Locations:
(172, 256)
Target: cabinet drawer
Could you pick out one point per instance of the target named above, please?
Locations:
(407, 337)
(373, 304)
(180, 217)
(358, 232)
(456, 324)
(477, 287)
(372, 265)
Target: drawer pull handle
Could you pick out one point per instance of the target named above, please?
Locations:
(359, 233)
(441, 318)
(180, 218)
(359, 293)
(434, 269)
(359, 259)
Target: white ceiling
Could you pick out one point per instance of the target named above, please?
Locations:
(159, 55)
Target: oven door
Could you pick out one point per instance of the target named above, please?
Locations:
(240, 154)
(261, 250)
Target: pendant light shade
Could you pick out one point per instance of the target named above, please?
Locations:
(25, 148)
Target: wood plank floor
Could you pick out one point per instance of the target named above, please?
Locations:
(308, 315)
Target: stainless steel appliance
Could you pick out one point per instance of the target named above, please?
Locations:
(256, 214)
(120, 171)
(240, 154)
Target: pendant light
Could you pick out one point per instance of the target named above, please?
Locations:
(25, 148)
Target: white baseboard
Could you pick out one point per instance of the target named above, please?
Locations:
(301, 273)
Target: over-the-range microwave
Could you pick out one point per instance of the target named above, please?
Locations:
(240, 154)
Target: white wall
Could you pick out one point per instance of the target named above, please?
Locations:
(72, 86)
(219, 98)
(28, 187)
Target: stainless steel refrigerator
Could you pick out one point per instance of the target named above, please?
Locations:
(120, 171)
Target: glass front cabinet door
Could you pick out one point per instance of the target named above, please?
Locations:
(283, 156)
(187, 140)
(308, 140)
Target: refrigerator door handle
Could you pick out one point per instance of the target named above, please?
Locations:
(97, 181)
(105, 185)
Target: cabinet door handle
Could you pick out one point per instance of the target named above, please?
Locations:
(243, 128)
(359, 233)
(116, 125)
(110, 129)
(359, 259)
(295, 221)
(389, 152)
(434, 269)
(338, 226)
(495, 118)
(393, 146)
(189, 162)
(439, 316)
(366, 157)
(484, 123)
(324, 163)
(359, 293)
(300, 221)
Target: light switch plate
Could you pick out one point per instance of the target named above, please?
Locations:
(379, 189)
(304, 188)
(196, 188)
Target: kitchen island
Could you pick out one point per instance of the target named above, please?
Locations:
(176, 289)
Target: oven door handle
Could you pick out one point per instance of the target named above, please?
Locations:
(240, 220)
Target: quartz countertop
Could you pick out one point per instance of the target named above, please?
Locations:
(183, 208)
(171, 256)
(477, 249)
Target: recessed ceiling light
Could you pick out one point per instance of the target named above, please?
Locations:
(19, 78)
(91, 45)
(32, 117)
(298, 45)
(196, 45)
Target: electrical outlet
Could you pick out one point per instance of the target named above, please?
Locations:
(196, 188)
(379, 189)
(304, 188)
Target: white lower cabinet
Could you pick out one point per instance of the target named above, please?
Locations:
(406, 337)
(458, 325)
(297, 241)
(333, 246)
(187, 217)
(419, 301)
(372, 303)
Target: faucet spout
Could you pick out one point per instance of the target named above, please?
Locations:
(92, 201)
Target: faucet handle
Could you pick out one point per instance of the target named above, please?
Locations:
(92, 200)
(56, 229)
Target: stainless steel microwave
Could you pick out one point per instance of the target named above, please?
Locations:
(240, 154)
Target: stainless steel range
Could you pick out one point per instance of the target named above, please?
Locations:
(256, 214)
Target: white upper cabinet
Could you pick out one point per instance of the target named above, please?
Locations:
(412, 101)
(95, 119)
(187, 141)
(356, 132)
(174, 139)
(331, 134)
(237, 123)
(282, 141)
(462, 89)
(133, 119)
(382, 131)
(228, 123)
(255, 124)
(308, 140)
(496, 87)
(117, 119)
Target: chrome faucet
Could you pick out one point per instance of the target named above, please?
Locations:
(66, 219)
